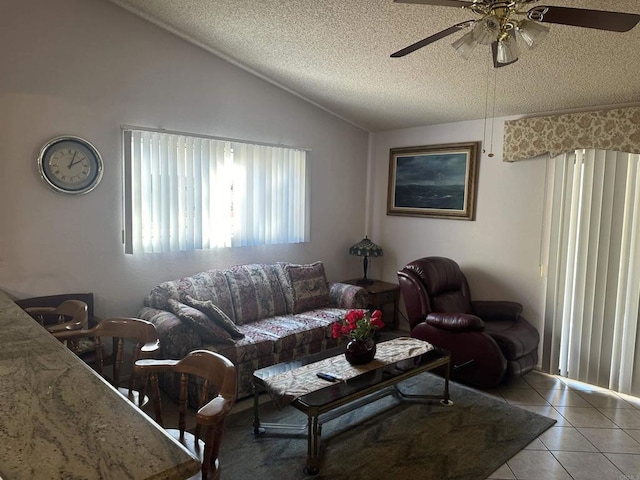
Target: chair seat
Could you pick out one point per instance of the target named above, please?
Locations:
(515, 338)
(134, 396)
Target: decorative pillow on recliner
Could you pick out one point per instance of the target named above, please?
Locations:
(216, 315)
(309, 285)
(201, 323)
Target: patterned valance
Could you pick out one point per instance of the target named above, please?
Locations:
(617, 129)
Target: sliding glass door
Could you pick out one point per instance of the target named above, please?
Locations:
(593, 268)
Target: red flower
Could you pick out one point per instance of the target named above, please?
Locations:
(358, 324)
(376, 319)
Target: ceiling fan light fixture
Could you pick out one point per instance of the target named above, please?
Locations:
(486, 30)
(531, 32)
(465, 45)
(507, 49)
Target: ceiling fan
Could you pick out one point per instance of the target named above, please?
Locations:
(501, 23)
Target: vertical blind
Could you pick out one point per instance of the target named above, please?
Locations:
(187, 192)
(593, 288)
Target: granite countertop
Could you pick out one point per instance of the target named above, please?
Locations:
(59, 419)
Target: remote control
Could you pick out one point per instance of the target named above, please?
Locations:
(328, 377)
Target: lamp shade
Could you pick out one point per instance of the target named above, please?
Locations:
(365, 248)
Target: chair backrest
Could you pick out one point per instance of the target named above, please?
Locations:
(139, 334)
(69, 315)
(212, 378)
(53, 301)
(433, 284)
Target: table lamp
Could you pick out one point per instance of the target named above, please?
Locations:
(365, 248)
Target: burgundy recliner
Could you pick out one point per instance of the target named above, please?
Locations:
(490, 342)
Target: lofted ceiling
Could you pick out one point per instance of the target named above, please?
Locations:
(336, 54)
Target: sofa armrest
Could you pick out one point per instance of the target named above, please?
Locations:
(497, 310)
(344, 295)
(455, 322)
(176, 337)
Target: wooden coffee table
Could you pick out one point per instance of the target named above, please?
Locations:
(328, 400)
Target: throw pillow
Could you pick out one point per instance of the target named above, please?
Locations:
(309, 285)
(216, 315)
(208, 330)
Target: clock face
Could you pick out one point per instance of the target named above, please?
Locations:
(70, 165)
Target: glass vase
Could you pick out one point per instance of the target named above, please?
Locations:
(359, 352)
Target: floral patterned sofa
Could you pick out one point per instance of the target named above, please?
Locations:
(255, 315)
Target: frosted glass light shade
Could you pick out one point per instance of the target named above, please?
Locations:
(486, 30)
(532, 33)
(465, 45)
(507, 50)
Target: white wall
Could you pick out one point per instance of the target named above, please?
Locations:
(86, 67)
(499, 251)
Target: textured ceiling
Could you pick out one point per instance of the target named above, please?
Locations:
(335, 53)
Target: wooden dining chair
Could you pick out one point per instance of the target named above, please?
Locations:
(142, 338)
(69, 315)
(214, 377)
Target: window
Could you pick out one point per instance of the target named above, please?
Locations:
(187, 192)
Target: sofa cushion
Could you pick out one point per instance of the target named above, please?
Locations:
(256, 292)
(254, 345)
(210, 285)
(322, 317)
(216, 315)
(210, 331)
(309, 286)
(287, 332)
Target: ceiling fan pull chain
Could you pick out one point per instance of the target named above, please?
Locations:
(493, 114)
(486, 110)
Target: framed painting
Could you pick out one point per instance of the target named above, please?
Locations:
(437, 181)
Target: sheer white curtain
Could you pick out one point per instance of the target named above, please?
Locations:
(187, 192)
(593, 278)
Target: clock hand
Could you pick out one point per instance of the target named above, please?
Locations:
(72, 163)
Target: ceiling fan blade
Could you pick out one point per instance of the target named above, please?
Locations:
(433, 38)
(441, 3)
(494, 53)
(581, 17)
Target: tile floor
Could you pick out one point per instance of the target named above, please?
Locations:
(596, 437)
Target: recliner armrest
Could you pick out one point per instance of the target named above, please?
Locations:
(455, 322)
(496, 310)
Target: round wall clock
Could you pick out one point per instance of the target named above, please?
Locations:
(70, 165)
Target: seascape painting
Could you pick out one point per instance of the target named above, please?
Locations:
(436, 181)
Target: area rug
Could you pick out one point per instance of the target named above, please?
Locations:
(388, 439)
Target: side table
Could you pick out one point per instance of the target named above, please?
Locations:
(380, 294)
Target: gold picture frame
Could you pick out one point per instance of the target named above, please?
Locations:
(435, 181)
